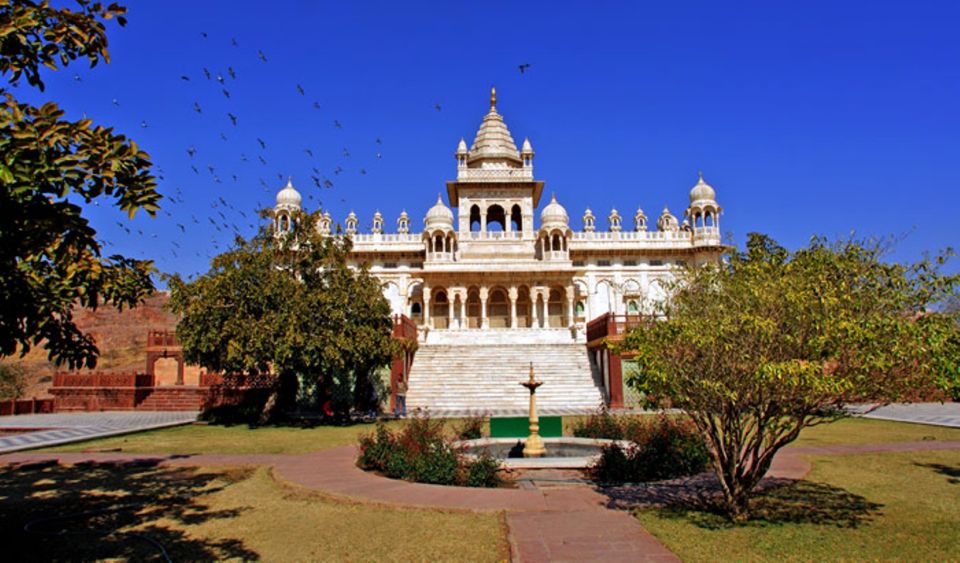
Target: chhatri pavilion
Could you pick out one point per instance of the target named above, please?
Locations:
(491, 286)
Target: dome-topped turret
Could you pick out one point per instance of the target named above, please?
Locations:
(439, 216)
(702, 192)
(493, 141)
(289, 197)
(554, 215)
(667, 222)
(461, 147)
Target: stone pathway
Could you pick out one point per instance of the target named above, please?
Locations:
(61, 428)
(939, 414)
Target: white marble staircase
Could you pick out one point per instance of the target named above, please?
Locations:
(484, 378)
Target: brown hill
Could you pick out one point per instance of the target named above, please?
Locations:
(120, 336)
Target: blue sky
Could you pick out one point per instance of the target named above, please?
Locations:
(807, 117)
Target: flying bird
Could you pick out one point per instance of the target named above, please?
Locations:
(185, 78)
(222, 136)
(233, 41)
(316, 105)
(336, 124)
(220, 78)
(524, 67)
(261, 56)
(346, 152)
(263, 144)
(300, 89)
(231, 72)
(191, 151)
(196, 107)
(233, 118)
(378, 141)
(116, 102)
(436, 107)
(195, 170)
(309, 152)
(263, 161)
(77, 78)
(226, 92)
(206, 73)
(204, 34)
(144, 124)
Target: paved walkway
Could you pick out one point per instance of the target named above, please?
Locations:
(939, 414)
(62, 428)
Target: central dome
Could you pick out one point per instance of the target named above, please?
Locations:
(493, 140)
(289, 196)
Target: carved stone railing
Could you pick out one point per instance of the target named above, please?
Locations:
(494, 235)
(494, 174)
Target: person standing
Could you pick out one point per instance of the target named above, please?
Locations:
(400, 406)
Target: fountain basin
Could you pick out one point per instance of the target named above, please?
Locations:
(562, 453)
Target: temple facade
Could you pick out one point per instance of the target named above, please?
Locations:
(486, 261)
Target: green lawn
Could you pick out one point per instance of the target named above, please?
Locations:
(215, 514)
(852, 507)
(870, 431)
(241, 439)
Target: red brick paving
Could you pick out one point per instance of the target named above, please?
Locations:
(555, 522)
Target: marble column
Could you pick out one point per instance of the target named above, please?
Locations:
(513, 306)
(450, 305)
(534, 306)
(426, 306)
(464, 323)
(546, 307)
(571, 315)
(484, 292)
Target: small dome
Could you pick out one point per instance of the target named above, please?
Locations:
(439, 215)
(351, 216)
(461, 147)
(554, 215)
(702, 192)
(667, 222)
(527, 147)
(377, 215)
(403, 214)
(288, 196)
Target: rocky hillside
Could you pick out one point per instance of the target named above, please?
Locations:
(121, 337)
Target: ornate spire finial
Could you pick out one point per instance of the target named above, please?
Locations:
(700, 174)
(439, 199)
(289, 181)
(493, 97)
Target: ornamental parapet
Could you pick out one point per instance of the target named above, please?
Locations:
(494, 174)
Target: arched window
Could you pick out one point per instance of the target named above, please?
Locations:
(557, 245)
(516, 218)
(438, 243)
(416, 309)
(474, 218)
(580, 308)
(496, 220)
(632, 307)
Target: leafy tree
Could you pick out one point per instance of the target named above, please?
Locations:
(13, 381)
(760, 347)
(289, 306)
(50, 258)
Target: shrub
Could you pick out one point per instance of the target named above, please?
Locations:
(421, 452)
(471, 428)
(484, 472)
(600, 425)
(661, 448)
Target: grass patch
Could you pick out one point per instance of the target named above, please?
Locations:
(871, 431)
(852, 507)
(126, 511)
(241, 439)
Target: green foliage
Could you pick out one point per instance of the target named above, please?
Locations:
(759, 347)
(484, 472)
(290, 306)
(50, 258)
(661, 447)
(604, 425)
(422, 453)
(470, 428)
(13, 381)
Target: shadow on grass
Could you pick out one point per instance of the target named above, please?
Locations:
(952, 473)
(112, 511)
(778, 502)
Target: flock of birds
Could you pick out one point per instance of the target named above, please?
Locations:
(225, 217)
